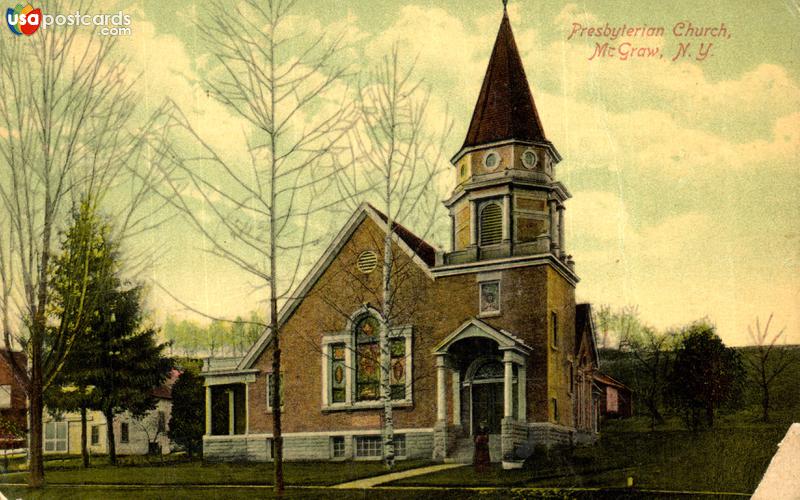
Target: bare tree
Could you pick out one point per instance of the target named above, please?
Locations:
(287, 91)
(400, 157)
(769, 362)
(603, 318)
(66, 113)
(651, 353)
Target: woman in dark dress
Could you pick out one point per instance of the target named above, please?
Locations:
(481, 458)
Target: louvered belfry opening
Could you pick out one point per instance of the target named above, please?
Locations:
(491, 226)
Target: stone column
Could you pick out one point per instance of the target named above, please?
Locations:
(554, 227)
(441, 389)
(456, 382)
(508, 388)
(473, 223)
(452, 231)
(208, 410)
(521, 393)
(231, 413)
(440, 427)
(246, 409)
(506, 217)
(562, 247)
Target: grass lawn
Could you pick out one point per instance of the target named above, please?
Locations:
(147, 493)
(728, 459)
(139, 471)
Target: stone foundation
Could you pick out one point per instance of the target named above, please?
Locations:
(547, 434)
(519, 439)
(514, 439)
(306, 446)
(238, 448)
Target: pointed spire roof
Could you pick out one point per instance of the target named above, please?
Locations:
(505, 108)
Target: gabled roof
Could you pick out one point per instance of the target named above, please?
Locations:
(420, 247)
(505, 108)
(164, 391)
(476, 328)
(584, 322)
(604, 379)
(415, 247)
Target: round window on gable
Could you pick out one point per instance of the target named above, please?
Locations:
(529, 159)
(491, 160)
(367, 261)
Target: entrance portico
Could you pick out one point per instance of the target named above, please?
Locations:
(486, 371)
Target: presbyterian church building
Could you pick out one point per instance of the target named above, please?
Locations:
(485, 335)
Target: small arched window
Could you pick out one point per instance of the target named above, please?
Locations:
(491, 225)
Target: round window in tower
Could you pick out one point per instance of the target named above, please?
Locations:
(529, 159)
(367, 261)
(491, 160)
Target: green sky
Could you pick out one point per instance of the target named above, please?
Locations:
(684, 174)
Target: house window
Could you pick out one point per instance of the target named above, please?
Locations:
(400, 445)
(5, 396)
(368, 446)
(95, 435)
(490, 297)
(491, 224)
(367, 359)
(55, 437)
(269, 391)
(338, 373)
(555, 409)
(124, 432)
(554, 324)
(337, 446)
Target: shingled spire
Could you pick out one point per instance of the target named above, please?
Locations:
(505, 108)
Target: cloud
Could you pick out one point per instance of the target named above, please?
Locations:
(683, 268)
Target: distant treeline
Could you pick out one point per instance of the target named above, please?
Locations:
(761, 379)
(218, 338)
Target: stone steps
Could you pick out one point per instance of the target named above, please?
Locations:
(464, 450)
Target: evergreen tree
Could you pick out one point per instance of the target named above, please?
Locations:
(81, 277)
(111, 363)
(187, 423)
(129, 360)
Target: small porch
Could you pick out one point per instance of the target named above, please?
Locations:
(226, 397)
(481, 384)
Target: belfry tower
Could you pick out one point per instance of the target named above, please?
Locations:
(507, 201)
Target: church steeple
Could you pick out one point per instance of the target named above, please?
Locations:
(505, 107)
(507, 202)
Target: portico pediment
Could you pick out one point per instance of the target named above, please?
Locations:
(476, 328)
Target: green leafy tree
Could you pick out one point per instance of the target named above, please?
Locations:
(186, 425)
(705, 376)
(81, 276)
